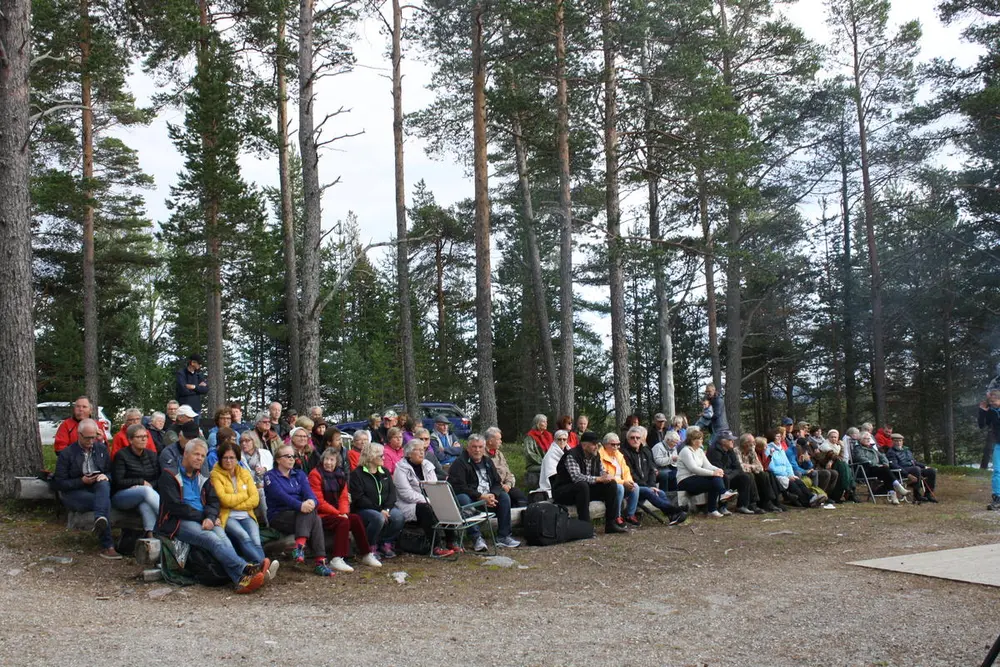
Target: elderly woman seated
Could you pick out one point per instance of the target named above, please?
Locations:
(291, 509)
(329, 485)
(134, 478)
(538, 440)
(413, 469)
(373, 496)
(665, 457)
(550, 462)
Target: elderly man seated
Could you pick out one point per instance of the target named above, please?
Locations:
(474, 477)
(615, 465)
(83, 478)
(580, 476)
(171, 456)
(189, 512)
(902, 458)
(722, 454)
(640, 462)
(494, 441)
(444, 445)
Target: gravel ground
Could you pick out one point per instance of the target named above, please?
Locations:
(736, 591)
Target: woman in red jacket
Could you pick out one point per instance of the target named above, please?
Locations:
(329, 484)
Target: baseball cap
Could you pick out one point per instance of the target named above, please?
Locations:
(390, 413)
(590, 436)
(187, 411)
(726, 435)
(786, 421)
(659, 417)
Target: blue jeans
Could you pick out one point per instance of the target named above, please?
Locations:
(378, 530)
(996, 469)
(712, 487)
(143, 498)
(632, 504)
(214, 542)
(658, 499)
(502, 510)
(666, 479)
(97, 499)
(244, 534)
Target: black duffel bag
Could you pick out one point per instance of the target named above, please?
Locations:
(547, 523)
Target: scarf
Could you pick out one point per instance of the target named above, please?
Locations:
(543, 438)
(333, 482)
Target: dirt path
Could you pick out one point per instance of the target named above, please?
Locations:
(737, 591)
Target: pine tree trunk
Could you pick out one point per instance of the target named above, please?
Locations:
(288, 224)
(216, 358)
(484, 296)
(20, 447)
(91, 372)
(439, 298)
(566, 402)
(402, 251)
(949, 387)
(312, 211)
(612, 203)
(710, 306)
(850, 362)
(878, 342)
(535, 264)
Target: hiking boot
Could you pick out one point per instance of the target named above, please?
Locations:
(995, 504)
(299, 554)
(109, 554)
(371, 560)
(248, 583)
(323, 570)
(678, 519)
(339, 565)
(633, 520)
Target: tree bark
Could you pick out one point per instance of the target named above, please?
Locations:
(20, 446)
(312, 209)
(535, 263)
(567, 389)
(484, 295)
(288, 224)
(612, 203)
(91, 371)
(850, 362)
(402, 252)
(949, 384)
(878, 342)
(710, 306)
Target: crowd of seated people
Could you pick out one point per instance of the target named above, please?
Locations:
(215, 485)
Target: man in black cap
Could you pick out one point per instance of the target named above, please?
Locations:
(172, 455)
(191, 385)
(580, 477)
(722, 455)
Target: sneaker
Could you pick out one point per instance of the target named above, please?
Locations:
(272, 570)
(248, 583)
(724, 511)
(323, 570)
(612, 528)
(456, 547)
(620, 522)
(109, 554)
(901, 490)
(633, 520)
(299, 554)
(829, 506)
(744, 510)
(508, 542)
(100, 524)
(716, 514)
(892, 498)
(387, 551)
(757, 510)
(441, 552)
(678, 519)
(371, 560)
(814, 500)
(480, 544)
(339, 565)
(995, 504)
(727, 495)
(778, 507)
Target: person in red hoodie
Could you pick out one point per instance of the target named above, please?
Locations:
(883, 437)
(565, 423)
(329, 484)
(121, 441)
(68, 431)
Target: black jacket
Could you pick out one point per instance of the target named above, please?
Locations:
(173, 509)
(187, 396)
(990, 418)
(69, 465)
(591, 467)
(641, 463)
(463, 477)
(371, 491)
(171, 457)
(132, 470)
(729, 461)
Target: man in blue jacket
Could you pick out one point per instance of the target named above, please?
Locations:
(191, 385)
(443, 444)
(83, 478)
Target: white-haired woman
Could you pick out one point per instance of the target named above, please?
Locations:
(413, 469)
(665, 457)
(560, 443)
(373, 496)
(133, 416)
(358, 442)
(329, 485)
(538, 439)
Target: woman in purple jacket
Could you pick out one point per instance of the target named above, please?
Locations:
(291, 509)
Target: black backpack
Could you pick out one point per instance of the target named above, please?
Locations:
(545, 524)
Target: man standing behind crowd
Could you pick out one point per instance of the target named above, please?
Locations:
(68, 431)
(170, 414)
(191, 385)
(274, 411)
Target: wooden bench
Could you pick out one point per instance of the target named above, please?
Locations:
(32, 488)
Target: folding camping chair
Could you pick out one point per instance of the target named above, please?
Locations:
(871, 484)
(452, 516)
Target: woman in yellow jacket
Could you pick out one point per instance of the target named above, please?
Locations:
(615, 465)
(238, 498)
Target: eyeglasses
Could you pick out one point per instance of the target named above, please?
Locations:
(562, 437)
(425, 438)
(141, 437)
(87, 437)
(287, 456)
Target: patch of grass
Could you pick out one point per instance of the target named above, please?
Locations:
(514, 451)
(48, 457)
(962, 471)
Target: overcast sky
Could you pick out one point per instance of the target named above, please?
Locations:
(365, 163)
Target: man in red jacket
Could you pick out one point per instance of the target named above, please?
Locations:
(883, 437)
(68, 431)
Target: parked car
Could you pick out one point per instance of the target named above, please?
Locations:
(461, 425)
(53, 413)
